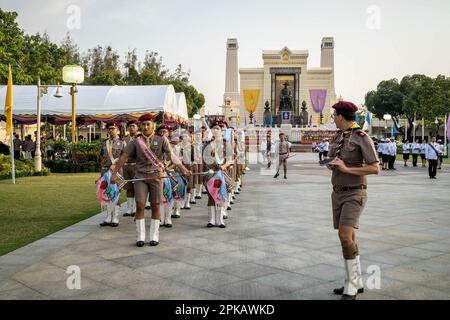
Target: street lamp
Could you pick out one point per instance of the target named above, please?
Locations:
(74, 75)
(42, 89)
(386, 117)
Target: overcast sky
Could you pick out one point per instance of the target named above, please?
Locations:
(374, 40)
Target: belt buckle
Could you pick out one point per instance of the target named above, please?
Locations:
(339, 189)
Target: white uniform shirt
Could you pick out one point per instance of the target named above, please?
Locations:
(415, 148)
(430, 154)
(392, 148)
(423, 148)
(380, 147)
(386, 148)
(326, 146)
(406, 148)
(441, 149)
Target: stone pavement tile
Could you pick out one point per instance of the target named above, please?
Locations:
(223, 235)
(182, 254)
(418, 277)
(415, 252)
(288, 281)
(284, 263)
(430, 266)
(17, 259)
(418, 293)
(247, 270)
(192, 242)
(250, 242)
(169, 290)
(53, 274)
(94, 268)
(170, 269)
(435, 246)
(143, 260)
(282, 249)
(390, 258)
(22, 293)
(64, 260)
(124, 278)
(206, 279)
(248, 255)
(322, 291)
(121, 252)
(59, 290)
(214, 261)
(90, 245)
(107, 294)
(9, 284)
(218, 248)
(323, 272)
(248, 290)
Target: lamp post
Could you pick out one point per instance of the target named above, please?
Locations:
(74, 75)
(41, 90)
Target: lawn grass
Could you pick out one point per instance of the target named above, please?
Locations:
(38, 206)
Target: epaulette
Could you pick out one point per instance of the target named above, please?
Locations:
(361, 133)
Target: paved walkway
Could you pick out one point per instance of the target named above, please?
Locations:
(278, 244)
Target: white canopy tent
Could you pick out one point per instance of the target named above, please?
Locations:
(182, 105)
(100, 100)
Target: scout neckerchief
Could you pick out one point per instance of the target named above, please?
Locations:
(109, 148)
(344, 135)
(145, 147)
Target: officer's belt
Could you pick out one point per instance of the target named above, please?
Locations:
(130, 164)
(343, 189)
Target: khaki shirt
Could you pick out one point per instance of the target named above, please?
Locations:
(126, 141)
(283, 147)
(117, 147)
(159, 145)
(358, 149)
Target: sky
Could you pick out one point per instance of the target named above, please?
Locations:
(374, 40)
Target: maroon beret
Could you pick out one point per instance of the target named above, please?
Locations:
(129, 123)
(163, 127)
(345, 106)
(216, 122)
(146, 117)
(112, 124)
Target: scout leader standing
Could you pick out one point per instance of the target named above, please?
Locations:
(149, 150)
(283, 153)
(112, 149)
(355, 158)
(128, 169)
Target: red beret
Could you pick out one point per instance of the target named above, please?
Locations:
(146, 117)
(112, 124)
(345, 106)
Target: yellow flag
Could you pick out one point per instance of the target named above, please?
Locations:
(251, 98)
(9, 103)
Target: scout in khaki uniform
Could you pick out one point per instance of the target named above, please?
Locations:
(128, 169)
(216, 158)
(283, 153)
(149, 150)
(112, 149)
(355, 157)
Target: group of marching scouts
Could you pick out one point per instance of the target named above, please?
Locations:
(167, 170)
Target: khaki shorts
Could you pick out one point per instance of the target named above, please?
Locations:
(348, 207)
(153, 188)
(128, 174)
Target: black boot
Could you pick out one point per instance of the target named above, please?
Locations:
(340, 290)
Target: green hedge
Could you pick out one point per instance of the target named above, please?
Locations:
(63, 166)
(23, 168)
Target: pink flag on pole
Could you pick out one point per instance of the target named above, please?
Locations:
(318, 97)
(448, 128)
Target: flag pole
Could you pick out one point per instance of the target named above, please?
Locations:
(13, 171)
